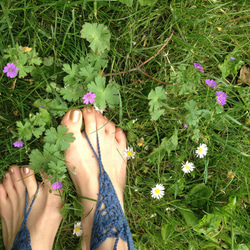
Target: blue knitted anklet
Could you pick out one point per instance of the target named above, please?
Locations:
(110, 222)
(22, 240)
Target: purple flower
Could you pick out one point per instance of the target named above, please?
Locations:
(232, 58)
(10, 70)
(57, 185)
(221, 97)
(198, 66)
(89, 98)
(210, 83)
(18, 144)
(41, 106)
(185, 126)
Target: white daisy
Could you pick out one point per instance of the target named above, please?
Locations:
(158, 191)
(201, 150)
(129, 153)
(78, 229)
(187, 167)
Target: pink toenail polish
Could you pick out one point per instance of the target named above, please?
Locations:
(74, 115)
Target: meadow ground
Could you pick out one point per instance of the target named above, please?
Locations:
(165, 121)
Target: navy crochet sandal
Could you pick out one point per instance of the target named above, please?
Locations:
(22, 240)
(109, 222)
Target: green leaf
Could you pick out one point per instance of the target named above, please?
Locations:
(231, 67)
(156, 96)
(109, 95)
(147, 2)
(24, 130)
(192, 118)
(167, 230)
(59, 137)
(129, 3)
(24, 70)
(73, 73)
(36, 160)
(48, 61)
(167, 145)
(72, 92)
(98, 35)
(98, 61)
(40, 160)
(199, 195)
(189, 216)
(89, 73)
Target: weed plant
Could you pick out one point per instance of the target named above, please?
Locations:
(62, 50)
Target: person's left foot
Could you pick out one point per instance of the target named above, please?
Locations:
(44, 218)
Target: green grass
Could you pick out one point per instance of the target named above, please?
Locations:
(205, 32)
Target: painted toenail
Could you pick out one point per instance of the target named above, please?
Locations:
(25, 170)
(89, 109)
(74, 115)
(11, 170)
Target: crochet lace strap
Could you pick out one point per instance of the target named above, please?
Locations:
(22, 240)
(109, 221)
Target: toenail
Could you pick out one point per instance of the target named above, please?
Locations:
(89, 109)
(6, 175)
(11, 170)
(106, 118)
(25, 170)
(74, 115)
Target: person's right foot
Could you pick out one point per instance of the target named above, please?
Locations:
(83, 165)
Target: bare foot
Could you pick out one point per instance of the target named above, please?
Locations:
(44, 218)
(81, 160)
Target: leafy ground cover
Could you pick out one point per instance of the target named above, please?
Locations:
(197, 98)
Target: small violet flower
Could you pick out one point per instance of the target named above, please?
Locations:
(221, 97)
(185, 126)
(210, 83)
(57, 185)
(10, 70)
(198, 66)
(89, 98)
(232, 58)
(18, 144)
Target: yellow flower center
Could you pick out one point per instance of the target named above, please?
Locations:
(200, 150)
(157, 191)
(77, 229)
(187, 167)
(129, 153)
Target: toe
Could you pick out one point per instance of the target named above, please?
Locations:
(29, 180)
(16, 177)
(3, 197)
(9, 186)
(89, 116)
(73, 121)
(120, 138)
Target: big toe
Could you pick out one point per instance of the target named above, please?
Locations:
(73, 121)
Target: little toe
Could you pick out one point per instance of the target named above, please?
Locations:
(29, 180)
(3, 197)
(73, 121)
(120, 138)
